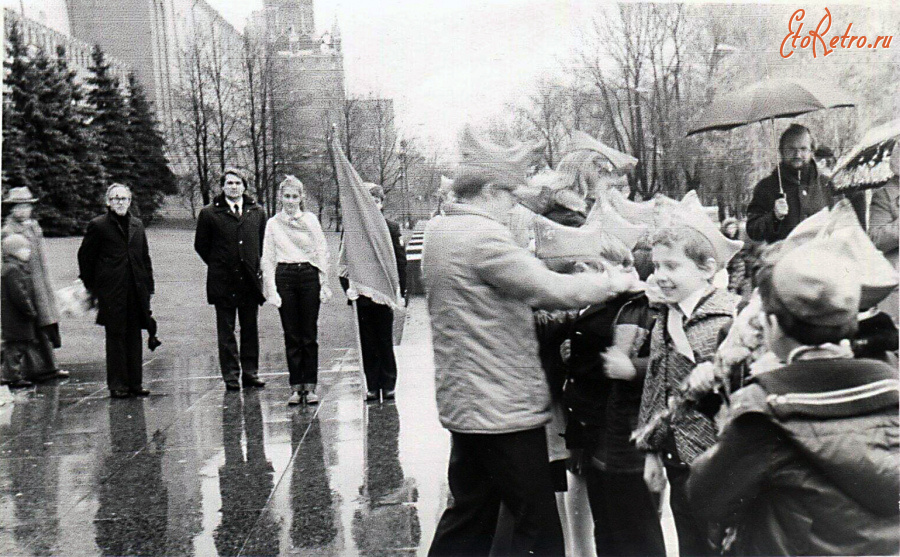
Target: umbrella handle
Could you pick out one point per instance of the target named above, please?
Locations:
(777, 162)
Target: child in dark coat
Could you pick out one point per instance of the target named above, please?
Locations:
(19, 316)
(807, 461)
(609, 349)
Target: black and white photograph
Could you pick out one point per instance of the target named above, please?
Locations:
(450, 278)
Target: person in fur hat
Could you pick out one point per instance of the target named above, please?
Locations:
(20, 220)
(807, 463)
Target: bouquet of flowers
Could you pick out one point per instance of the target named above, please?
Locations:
(74, 300)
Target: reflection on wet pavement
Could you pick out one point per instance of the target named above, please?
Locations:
(194, 470)
(215, 473)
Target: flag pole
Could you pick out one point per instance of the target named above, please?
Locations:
(362, 371)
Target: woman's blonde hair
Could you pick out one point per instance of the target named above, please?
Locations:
(291, 181)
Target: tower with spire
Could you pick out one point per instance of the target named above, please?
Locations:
(310, 67)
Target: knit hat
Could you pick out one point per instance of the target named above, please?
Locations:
(504, 167)
(690, 213)
(19, 195)
(825, 293)
(13, 243)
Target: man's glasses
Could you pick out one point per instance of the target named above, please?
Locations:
(119, 199)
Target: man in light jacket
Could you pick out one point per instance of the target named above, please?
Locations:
(492, 393)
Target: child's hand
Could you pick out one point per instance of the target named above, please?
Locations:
(654, 473)
(325, 294)
(565, 350)
(617, 365)
(702, 379)
(621, 281)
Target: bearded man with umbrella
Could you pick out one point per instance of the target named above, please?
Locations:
(795, 189)
(791, 193)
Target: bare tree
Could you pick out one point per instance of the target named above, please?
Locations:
(193, 126)
(546, 116)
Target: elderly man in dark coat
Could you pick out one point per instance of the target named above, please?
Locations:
(229, 238)
(114, 265)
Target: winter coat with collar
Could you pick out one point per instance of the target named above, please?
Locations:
(807, 192)
(668, 369)
(17, 301)
(231, 247)
(481, 288)
(808, 463)
(112, 262)
(44, 295)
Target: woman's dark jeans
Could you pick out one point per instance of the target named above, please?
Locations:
(298, 286)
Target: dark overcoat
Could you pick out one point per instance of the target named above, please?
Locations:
(110, 264)
(17, 299)
(231, 247)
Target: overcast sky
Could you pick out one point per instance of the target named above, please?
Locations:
(444, 63)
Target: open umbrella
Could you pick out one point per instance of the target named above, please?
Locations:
(867, 164)
(767, 100)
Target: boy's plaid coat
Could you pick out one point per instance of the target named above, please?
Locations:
(694, 433)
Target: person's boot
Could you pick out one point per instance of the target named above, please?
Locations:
(371, 396)
(311, 397)
(296, 399)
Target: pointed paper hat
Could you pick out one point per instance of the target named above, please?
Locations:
(690, 213)
(840, 227)
(604, 217)
(604, 230)
(644, 212)
(581, 141)
(503, 166)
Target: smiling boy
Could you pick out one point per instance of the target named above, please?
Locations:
(686, 253)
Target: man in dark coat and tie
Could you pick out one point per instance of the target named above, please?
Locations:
(114, 265)
(229, 238)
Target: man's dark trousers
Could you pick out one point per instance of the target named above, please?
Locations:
(487, 469)
(124, 351)
(376, 335)
(248, 360)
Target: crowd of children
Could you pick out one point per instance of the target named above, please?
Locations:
(798, 381)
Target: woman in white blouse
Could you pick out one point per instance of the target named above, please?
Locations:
(295, 279)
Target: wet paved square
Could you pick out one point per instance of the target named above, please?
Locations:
(194, 470)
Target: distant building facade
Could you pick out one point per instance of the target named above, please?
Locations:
(154, 37)
(78, 53)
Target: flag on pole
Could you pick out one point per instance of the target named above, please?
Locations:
(368, 252)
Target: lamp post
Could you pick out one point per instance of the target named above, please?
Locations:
(405, 182)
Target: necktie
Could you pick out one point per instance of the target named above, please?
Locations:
(237, 210)
(675, 326)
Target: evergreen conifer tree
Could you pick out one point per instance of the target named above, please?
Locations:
(19, 82)
(149, 163)
(109, 121)
(44, 142)
(89, 175)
